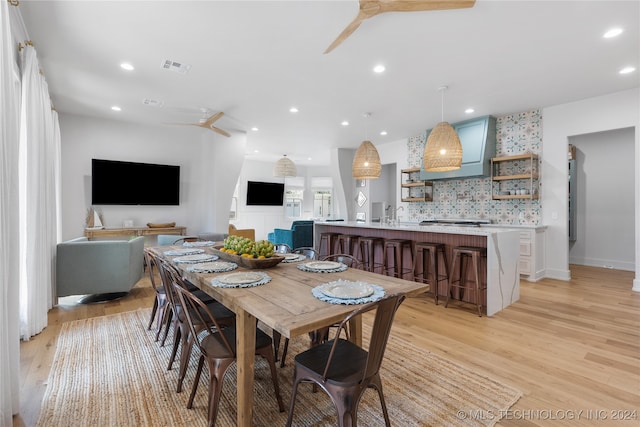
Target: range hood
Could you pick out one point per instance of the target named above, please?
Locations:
(478, 139)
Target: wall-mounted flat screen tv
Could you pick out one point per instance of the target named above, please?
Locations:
(128, 183)
(265, 193)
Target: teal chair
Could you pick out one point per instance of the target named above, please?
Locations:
(300, 234)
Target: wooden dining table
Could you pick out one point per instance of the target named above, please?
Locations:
(285, 304)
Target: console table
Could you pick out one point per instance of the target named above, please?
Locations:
(132, 231)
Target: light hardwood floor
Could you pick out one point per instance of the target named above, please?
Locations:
(568, 346)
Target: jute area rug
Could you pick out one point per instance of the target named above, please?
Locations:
(109, 371)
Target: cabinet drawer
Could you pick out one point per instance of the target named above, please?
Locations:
(525, 247)
(525, 266)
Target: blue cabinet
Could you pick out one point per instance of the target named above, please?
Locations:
(478, 139)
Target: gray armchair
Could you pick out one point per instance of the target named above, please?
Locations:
(98, 266)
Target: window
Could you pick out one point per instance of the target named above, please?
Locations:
(293, 203)
(322, 204)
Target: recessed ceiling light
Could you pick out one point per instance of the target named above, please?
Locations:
(383, 133)
(293, 110)
(126, 66)
(612, 33)
(469, 110)
(345, 123)
(255, 129)
(116, 108)
(379, 68)
(627, 70)
(309, 158)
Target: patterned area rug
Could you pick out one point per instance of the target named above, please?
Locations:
(109, 371)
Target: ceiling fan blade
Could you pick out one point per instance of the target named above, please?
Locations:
(220, 131)
(211, 119)
(346, 32)
(370, 8)
(421, 5)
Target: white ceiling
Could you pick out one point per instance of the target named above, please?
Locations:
(255, 59)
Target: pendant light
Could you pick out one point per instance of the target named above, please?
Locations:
(366, 162)
(443, 151)
(285, 167)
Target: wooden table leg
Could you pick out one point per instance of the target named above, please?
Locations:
(246, 348)
(355, 330)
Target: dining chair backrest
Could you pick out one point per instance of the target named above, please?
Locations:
(152, 266)
(197, 313)
(385, 312)
(282, 248)
(165, 269)
(181, 240)
(346, 259)
(307, 251)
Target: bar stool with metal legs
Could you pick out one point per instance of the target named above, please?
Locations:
(428, 271)
(396, 247)
(366, 252)
(327, 240)
(345, 243)
(464, 254)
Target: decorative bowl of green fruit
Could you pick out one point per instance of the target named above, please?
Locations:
(247, 253)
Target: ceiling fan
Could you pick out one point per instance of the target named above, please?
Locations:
(207, 123)
(371, 8)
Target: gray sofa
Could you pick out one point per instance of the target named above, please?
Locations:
(98, 266)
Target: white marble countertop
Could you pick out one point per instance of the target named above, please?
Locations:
(449, 229)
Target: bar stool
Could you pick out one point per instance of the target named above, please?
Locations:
(397, 248)
(464, 254)
(429, 271)
(345, 243)
(366, 247)
(329, 240)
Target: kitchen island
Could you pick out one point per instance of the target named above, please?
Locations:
(502, 272)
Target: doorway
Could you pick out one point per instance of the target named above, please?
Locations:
(605, 200)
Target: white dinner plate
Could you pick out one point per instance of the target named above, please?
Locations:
(194, 258)
(241, 278)
(213, 267)
(323, 265)
(346, 290)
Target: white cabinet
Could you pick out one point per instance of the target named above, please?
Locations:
(532, 262)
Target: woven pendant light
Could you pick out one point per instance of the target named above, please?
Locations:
(285, 167)
(366, 162)
(443, 151)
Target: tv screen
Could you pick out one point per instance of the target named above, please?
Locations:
(265, 193)
(128, 183)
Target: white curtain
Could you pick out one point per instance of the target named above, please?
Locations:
(9, 220)
(38, 206)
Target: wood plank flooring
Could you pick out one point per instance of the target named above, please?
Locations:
(572, 348)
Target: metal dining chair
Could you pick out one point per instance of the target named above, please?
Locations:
(183, 334)
(321, 335)
(282, 248)
(345, 370)
(160, 304)
(307, 251)
(181, 240)
(217, 346)
(346, 259)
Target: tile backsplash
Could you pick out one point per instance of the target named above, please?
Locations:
(470, 198)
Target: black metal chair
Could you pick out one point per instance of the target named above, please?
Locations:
(345, 370)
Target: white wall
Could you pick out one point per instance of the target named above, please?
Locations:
(265, 218)
(205, 159)
(605, 200)
(613, 111)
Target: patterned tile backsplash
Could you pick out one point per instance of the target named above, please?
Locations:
(518, 133)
